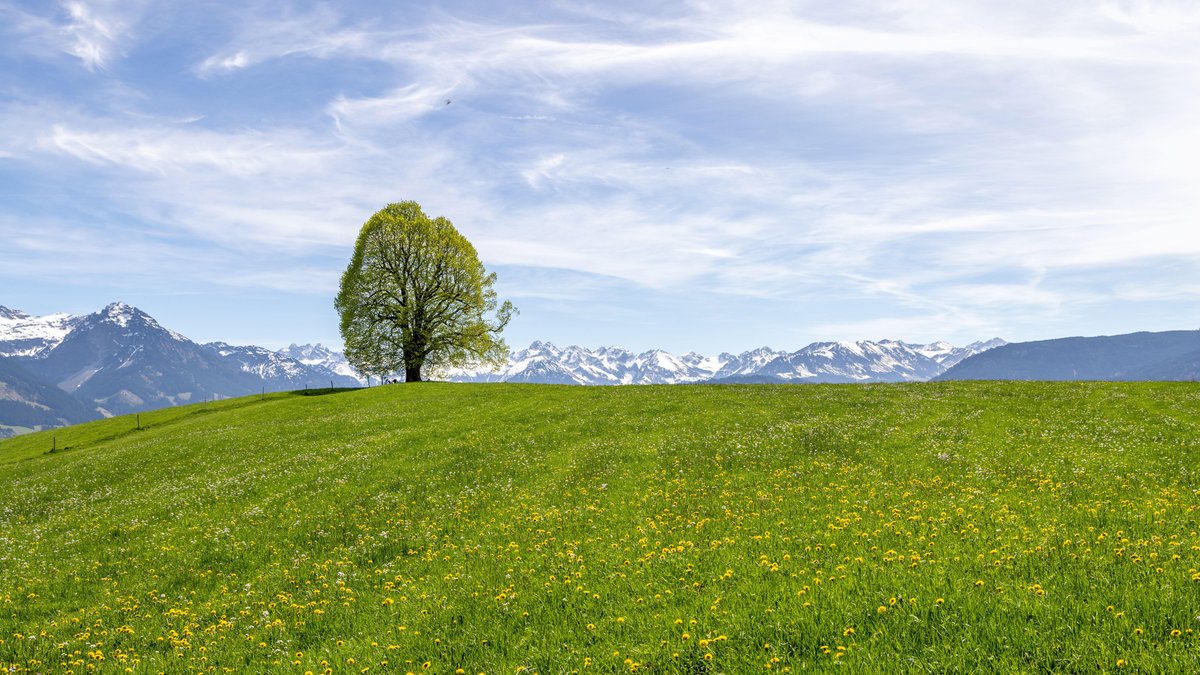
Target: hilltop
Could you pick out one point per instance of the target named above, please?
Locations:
(947, 526)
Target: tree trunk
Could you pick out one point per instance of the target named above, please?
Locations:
(412, 374)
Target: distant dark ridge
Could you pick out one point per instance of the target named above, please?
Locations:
(1169, 355)
(26, 401)
(1180, 368)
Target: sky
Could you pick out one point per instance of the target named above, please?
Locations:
(694, 176)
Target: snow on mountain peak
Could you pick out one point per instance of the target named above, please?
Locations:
(24, 335)
(12, 314)
(863, 361)
(121, 314)
(320, 355)
(130, 318)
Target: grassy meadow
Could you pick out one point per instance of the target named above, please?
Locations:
(440, 528)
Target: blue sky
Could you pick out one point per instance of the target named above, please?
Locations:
(687, 175)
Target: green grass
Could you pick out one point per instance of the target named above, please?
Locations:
(949, 527)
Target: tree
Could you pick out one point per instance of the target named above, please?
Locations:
(415, 296)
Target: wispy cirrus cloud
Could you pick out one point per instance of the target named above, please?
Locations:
(92, 31)
(316, 33)
(165, 149)
(90, 34)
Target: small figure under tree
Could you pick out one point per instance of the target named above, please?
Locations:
(415, 296)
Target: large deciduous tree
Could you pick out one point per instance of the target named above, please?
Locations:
(415, 297)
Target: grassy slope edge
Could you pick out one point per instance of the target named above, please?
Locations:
(682, 529)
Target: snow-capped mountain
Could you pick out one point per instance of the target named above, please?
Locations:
(864, 361)
(547, 363)
(29, 336)
(120, 360)
(320, 355)
(746, 364)
(277, 370)
(948, 355)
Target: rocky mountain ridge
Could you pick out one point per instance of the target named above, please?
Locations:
(120, 360)
(863, 361)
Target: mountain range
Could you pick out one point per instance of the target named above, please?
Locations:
(120, 360)
(62, 369)
(863, 361)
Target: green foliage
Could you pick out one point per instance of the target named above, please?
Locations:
(415, 297)
(949, 527)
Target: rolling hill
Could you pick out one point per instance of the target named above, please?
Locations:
(518, 528)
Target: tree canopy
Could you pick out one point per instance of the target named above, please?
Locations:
(415, 298)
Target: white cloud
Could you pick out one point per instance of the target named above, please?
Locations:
(90, 36)
(166, 149)
(543, 169)
(239, 59)
(398, 107)
(1156, 17)
(93, 31)
(315, 34)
